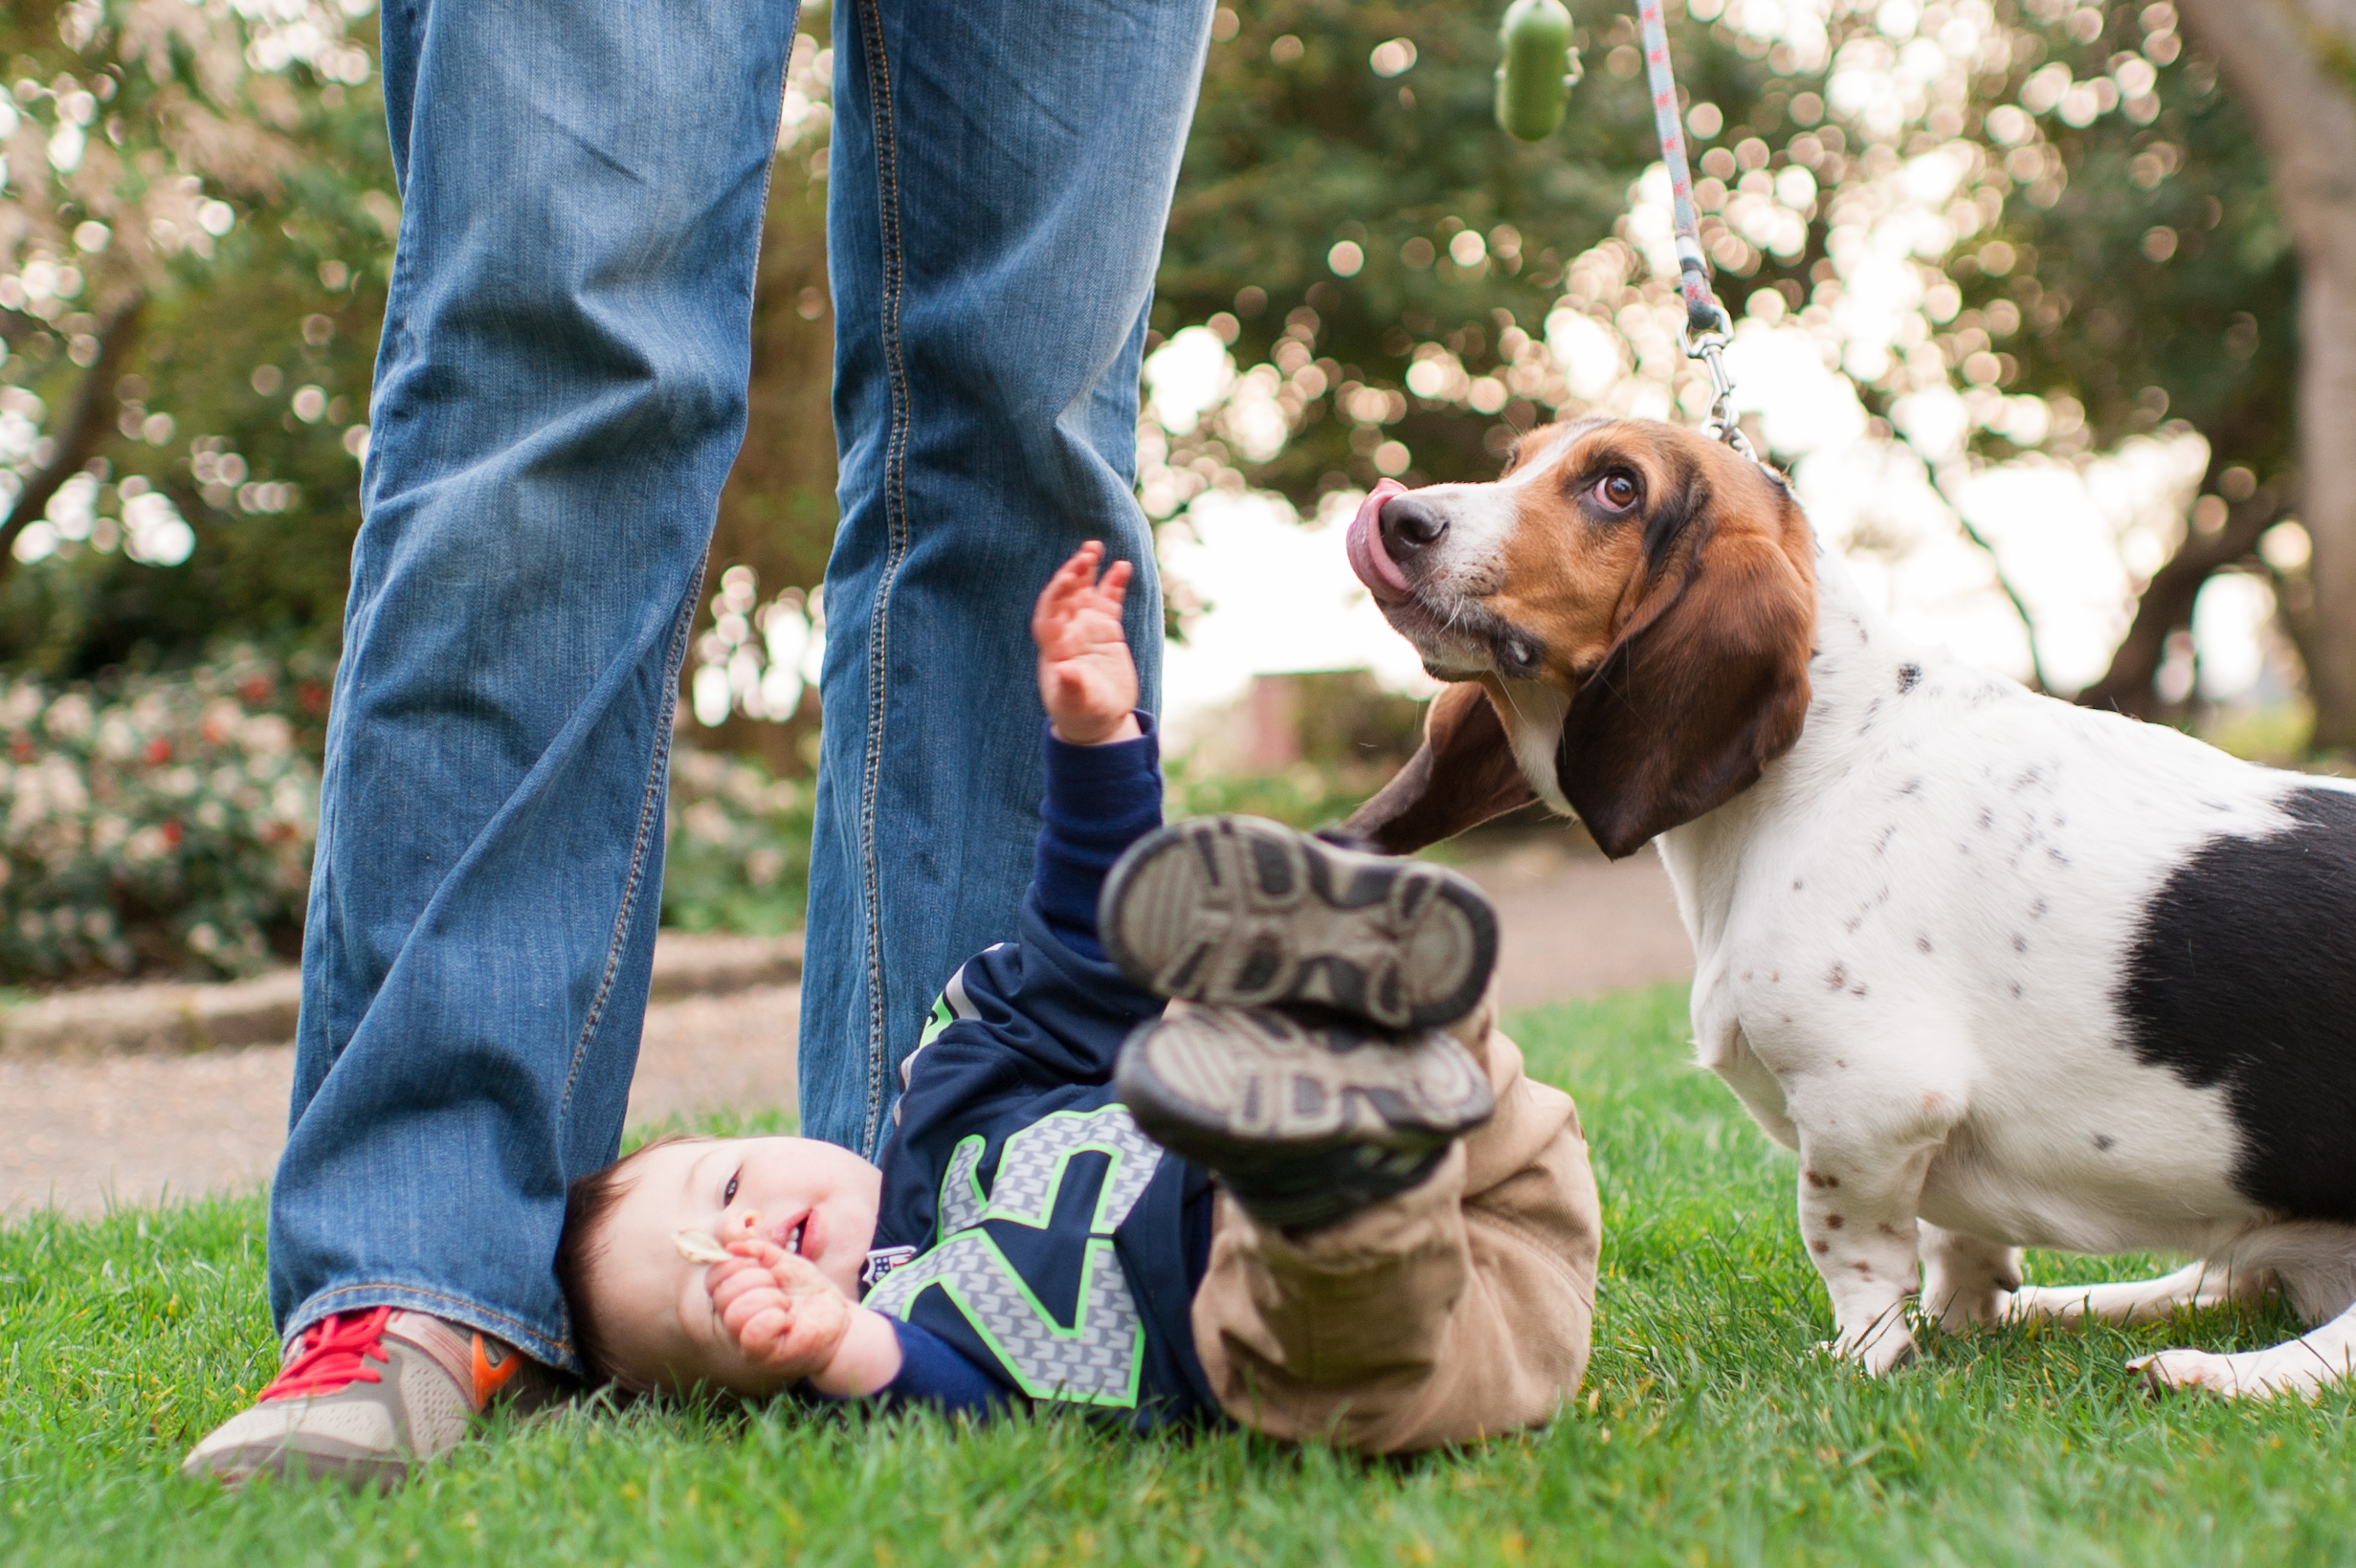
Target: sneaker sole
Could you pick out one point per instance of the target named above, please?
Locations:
(1230, 1089)
(1238, 911)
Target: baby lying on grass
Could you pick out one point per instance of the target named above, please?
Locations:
(1319, 1196)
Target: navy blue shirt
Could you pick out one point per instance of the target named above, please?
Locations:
(1032, 1244)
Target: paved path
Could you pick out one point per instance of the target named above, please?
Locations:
(78, 1131)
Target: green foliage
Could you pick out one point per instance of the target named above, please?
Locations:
(1709, 1431)
(159, 822)
(241, 389)
(1301, 145)
(1306, 795)
(2149, 274)
(737, 845)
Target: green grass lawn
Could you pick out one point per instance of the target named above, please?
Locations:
(1708, 1432)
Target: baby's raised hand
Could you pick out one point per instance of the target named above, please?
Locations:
(786, 1317)
(1087, 678)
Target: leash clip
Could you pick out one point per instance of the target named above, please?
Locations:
(1710, 348)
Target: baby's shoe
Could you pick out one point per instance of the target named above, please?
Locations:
(363, 1396)
(1241, 911)
(1305, 1123)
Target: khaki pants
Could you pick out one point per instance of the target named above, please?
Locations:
(1457, 1311)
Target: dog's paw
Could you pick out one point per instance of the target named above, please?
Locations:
(1956, 1310)
(1882, 1348)
(2253, 1373)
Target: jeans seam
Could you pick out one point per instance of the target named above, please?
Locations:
(895, 549)
(650, 811)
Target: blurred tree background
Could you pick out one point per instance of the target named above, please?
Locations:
(2025, 235)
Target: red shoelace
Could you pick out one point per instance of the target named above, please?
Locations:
(336, 1353)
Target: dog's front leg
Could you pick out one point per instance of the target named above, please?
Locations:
(1860, 1184)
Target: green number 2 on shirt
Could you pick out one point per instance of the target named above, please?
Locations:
(1099, 1356)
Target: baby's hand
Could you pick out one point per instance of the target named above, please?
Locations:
(787, 1318)
(1087, 679)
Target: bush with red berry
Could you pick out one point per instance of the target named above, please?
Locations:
(159, 824)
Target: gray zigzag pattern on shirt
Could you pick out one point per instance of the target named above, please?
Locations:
(1097, 1359)
(1096, 1362)
(960, 1208)
(1031, 1168)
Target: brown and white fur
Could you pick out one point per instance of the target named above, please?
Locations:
(2004, 971)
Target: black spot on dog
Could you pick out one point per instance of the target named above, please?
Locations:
(1922, 944)
(1834, 1222)
(1987, 818)
(2055, 856)
(2016, 991)
(2241, 977)
(1820, 1180)
(2021, 944)
(1835, 979)
(2104, 1142)
(1882, 843)
(1909, 675)
(1797, 884)
(1912, 786)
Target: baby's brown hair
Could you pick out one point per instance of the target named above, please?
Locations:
(589, 1204)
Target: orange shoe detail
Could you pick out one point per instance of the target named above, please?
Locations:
(489, 1379)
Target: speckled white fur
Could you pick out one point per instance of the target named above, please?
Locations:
(1908, 935)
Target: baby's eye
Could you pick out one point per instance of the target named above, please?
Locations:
(727, 1195)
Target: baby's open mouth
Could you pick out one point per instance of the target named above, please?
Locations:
(797, 1237)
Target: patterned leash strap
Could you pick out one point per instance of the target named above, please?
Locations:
(1708, 329)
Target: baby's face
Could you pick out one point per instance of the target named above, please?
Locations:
(805, 1196)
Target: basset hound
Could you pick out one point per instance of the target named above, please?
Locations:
(2005, 972)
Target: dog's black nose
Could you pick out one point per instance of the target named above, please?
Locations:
(1409, 525)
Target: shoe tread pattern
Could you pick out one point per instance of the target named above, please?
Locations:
(1238, 911)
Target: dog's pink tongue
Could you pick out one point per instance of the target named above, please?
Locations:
(1365, 544)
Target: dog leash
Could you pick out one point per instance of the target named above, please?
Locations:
(1707, 330)
(1539, 70)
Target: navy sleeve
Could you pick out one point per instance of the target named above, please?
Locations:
(932, 1374)
(1100, 801)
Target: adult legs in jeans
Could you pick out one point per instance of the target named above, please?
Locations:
(560, 393)
(1000, 174)
(1461, 1309)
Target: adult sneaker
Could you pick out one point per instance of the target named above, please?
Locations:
(363, 1396)
(1240, 912)
(1305, 1123)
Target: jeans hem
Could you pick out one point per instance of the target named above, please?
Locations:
(363, 1297)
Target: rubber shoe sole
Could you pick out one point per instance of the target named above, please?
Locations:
(1243, 1091)
(1239, 912)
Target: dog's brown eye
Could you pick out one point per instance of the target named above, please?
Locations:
(1616, 490)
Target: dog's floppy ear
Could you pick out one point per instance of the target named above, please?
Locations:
(1707, 683)
(1463, 774)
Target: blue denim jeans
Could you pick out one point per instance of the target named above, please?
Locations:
(560, 394)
